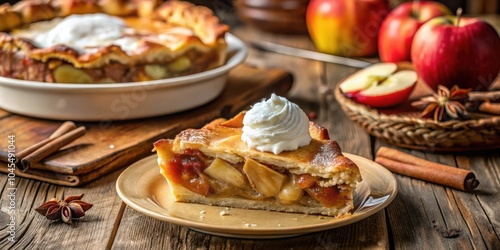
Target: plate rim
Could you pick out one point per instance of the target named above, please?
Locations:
(236, 44)
(268, 232)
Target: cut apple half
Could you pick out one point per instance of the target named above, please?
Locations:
(380, 86)
(366, 77)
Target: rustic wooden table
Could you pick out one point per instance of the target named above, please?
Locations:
(422, 216)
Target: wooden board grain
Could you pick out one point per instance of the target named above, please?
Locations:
(108, 145)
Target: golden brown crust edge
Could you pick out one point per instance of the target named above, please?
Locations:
(322, 158)
(316, 160)
(201, 19)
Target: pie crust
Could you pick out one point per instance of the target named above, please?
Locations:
(314, 179)
(171, 39)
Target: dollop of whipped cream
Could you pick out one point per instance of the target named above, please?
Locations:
(275, 125)
(82, 32)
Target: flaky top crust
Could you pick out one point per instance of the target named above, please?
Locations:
(322, 157)
(208, 32)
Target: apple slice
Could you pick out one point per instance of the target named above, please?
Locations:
(366, 77)
(379, 87)
(390, 92)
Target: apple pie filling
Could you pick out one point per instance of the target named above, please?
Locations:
(215, 177)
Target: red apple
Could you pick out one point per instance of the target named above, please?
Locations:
(380, 85)
(399, 27)
(346, 27)
(451, 50)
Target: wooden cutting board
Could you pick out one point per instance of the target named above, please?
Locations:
(110, 145)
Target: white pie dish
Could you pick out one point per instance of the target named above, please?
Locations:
(119, 101)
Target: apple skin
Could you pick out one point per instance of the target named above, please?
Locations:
(346, 27)
(383, 101)
(466, 54)
(380, 85)
(399, 27)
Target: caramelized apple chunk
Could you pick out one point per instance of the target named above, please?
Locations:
(263, 179)
(290, 191)
(224, 172)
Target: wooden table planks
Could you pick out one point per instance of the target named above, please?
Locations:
(422, 216)
(444, 217)
(93, 231)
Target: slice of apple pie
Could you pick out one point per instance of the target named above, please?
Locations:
(107, 41)
(239, 163)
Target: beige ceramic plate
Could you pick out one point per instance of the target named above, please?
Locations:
(143, 188)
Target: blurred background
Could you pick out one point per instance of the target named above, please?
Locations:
(473, 7)
(288, 16)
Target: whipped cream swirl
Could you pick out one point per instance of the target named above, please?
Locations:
(275, 125)
(82, 32)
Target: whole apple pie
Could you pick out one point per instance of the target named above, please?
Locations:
(108, 41)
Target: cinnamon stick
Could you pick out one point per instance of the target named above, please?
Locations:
(64, 128)
(493, 96)
(490, 108)
(52, 147)
(412, 166)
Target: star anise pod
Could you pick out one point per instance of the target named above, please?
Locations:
(66, 210)
(444, 104)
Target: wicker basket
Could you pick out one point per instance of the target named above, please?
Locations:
(409, 131)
